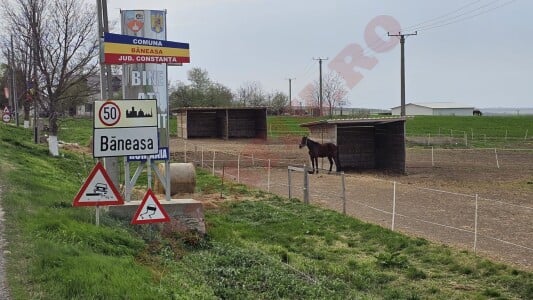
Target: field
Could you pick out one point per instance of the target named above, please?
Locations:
(258, 246)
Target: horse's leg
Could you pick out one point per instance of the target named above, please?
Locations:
(330, 163)
(315, 164)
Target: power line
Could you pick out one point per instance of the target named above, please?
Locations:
(452, 18)
(457, 19)
(419, 25)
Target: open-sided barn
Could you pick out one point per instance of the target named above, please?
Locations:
(364, 143)
(222, 122)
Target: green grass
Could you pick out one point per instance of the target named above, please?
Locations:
(261, 247)
(76, 130)
(486, 131)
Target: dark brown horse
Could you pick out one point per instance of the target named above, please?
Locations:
(317, 150)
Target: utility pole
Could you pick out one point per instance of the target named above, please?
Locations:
(320, 59)
(290, 93)
(14, 84)
(402, 43)
(110, 163)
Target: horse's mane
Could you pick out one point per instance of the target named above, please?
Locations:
(311, 141)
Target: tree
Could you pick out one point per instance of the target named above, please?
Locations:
(63, 49)
(278, 102)
(251, 94)
(333, 92)
(201, 91)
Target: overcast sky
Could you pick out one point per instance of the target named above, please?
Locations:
(475, 52)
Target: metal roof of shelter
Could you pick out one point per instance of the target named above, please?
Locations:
(376, 121)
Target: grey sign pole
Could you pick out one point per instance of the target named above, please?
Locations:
(110, 163)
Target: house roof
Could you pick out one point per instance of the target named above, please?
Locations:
(439, 105)
(372, 121)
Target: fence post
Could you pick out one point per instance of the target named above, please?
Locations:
(497, 162)
(239, 168)
(475, 226)
(149, 171)
(343, 193)
(393, 204)
(306, 185)
(289, 181)
(185, 152)
(202, 163)
(466, 139)
(214, 153)
(223, 174)
(432, 157)
(429, 139)
(525, 137)
(268, 177)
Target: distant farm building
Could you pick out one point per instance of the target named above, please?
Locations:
(221, 122)
(435, 109)
(364, 144)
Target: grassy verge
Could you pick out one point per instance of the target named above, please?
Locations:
(260, 247)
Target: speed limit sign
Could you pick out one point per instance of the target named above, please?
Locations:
(6, 118)
(109, 113)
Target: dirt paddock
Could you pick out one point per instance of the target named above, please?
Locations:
(436, 198)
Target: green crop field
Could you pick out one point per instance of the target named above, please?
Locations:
(258, 246)
(492, 131)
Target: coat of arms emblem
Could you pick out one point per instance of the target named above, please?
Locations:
(157, 21)
(135, 20)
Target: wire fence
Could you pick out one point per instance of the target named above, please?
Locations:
(495, 227)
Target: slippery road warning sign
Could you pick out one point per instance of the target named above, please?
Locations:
(98, 190)
(150, 211)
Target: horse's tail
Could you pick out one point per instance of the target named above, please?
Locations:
(337, 160)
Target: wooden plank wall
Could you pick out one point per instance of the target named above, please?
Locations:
(247, 123)
(182, 125)
(390, 147)
(326, 133)
(224, 123)
(356, 147)
(202, 124)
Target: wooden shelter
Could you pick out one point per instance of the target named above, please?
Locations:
(364, 143)
(222, 122)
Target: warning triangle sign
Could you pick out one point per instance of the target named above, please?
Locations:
(98, 190)
(150, 211)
